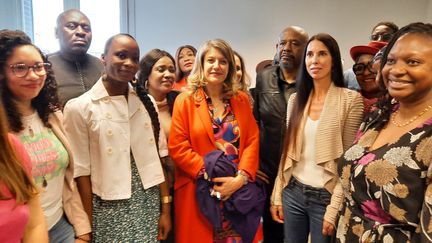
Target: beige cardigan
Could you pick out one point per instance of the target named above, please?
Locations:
(72, 204)
(340, 118)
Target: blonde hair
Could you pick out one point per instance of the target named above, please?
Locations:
(244, 82)
(197, 80)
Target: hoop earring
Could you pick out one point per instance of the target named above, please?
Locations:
(134, 81)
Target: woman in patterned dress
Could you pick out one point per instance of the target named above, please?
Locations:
(386, 174)
(115, 135)
(213, 115)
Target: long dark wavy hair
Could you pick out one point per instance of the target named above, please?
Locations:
(45, 102)
(141, 92)
(381, 116)
(145, 68)
(304, 82)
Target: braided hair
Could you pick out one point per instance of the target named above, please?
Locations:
(148, 104)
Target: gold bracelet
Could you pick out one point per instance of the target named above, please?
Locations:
(245, 178)
(167, 199)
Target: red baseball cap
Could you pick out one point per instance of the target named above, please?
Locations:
(372, 48)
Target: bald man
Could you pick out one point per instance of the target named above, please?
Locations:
(75, 70)
(274, 85)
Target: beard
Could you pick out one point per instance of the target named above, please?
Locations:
(288, 64)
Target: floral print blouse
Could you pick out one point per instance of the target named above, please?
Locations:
(388, 195)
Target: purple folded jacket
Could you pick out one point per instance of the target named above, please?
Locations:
(243, 209)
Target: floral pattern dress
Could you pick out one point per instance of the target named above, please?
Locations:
(388, 195)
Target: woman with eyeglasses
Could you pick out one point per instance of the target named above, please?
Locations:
(30, 98)
(386, 174)
(383, 31)
(366, 72)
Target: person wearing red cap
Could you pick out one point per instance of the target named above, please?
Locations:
(365, 72)
(382, 32)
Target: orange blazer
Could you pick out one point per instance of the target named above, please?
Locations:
(192, 137)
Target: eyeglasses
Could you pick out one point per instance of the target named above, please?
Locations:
(21, 70)
(359, 68)
(381, 37)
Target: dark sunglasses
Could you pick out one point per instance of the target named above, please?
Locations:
(359, 68)
(381, 37)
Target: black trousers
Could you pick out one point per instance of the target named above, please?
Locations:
(273, 231)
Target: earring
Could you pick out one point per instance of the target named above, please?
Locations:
(134, 81)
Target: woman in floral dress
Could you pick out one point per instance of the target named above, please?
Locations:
(386, 174)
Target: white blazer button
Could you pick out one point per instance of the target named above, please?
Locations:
(108, 116)
(106, 99)
(109, 132)
(109, 150)
(146, 125)
(151, 141)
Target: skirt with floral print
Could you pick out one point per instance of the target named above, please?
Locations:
(130, 220)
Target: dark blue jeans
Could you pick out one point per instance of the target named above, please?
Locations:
(304, 207)
(62, 232)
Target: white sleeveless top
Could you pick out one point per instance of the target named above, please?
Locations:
(306, 170)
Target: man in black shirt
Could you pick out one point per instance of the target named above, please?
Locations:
(274, 85)
(74, 69)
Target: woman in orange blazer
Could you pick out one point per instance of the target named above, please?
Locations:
(213, 114)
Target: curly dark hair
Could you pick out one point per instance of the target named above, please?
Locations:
(385, 106)
(145, 67)
(45, 102)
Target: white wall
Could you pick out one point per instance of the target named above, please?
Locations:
(10, 14)
(429, 12)
(252, 26)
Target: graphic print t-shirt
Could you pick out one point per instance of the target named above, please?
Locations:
(49, 160)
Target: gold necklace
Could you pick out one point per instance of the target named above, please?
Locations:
(410, 120)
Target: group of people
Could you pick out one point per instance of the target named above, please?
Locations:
(178, 149)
